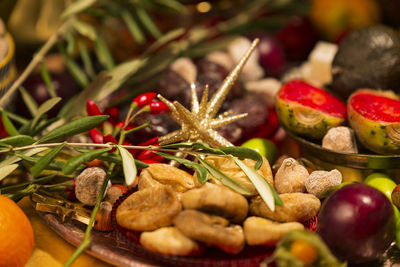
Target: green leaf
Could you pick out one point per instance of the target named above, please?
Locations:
(18, 140)
(166, 38)
(73, 163)
(53, 165)
(46, 106)
(29, 101)
(66, 108)
(204, 48)
(47, 79)
(87, 62)
(148, 23)
(172, 4)
(74, 127)
(44, 161)
(41, 126)
(6, 170)
(77, 7)
(224, 179)
(133, 27)
(8, 125)
(128, 165)
(70, 42)
(244, 153)
(202, 172)
(13, 159)
(76, 71)
(85, 29)
(266, 191)
(103, 53)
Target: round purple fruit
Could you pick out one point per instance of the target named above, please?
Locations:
(357, 223)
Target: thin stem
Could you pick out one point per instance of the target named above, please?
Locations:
(35, 60)
(28, 183)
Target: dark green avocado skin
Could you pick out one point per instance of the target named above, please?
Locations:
(367, 58)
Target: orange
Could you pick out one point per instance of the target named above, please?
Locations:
(16, 234)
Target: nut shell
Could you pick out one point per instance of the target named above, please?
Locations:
(88, 185)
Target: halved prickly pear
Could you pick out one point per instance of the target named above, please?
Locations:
(375, 117)
(308, 110)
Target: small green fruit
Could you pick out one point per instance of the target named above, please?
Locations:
(263, 146)
(381, 182)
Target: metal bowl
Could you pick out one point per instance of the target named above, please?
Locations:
(356, 166)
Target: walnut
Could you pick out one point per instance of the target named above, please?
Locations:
(320, 182)
(290, 177)
(340, 139)
(88, 185)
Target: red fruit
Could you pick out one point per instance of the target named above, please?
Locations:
(96, 136)
(110, 139)
(375, 118)
(113, 113)
(298, 37)
(144, 99)
(92, 109)
(308, 110)
(3, 132)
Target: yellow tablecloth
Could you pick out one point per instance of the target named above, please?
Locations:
(50, 249)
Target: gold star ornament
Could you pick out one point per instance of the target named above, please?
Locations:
(200, 122)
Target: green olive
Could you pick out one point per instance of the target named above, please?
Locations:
(382, 182)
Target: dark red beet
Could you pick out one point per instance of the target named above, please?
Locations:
(357, 223)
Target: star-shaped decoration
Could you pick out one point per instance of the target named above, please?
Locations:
(200, 122)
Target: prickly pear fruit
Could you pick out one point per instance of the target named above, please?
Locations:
(375, 118)
(307, 110)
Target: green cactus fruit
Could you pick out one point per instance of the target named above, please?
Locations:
(307, 110)
(375, 117)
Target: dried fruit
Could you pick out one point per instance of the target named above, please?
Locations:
(148, 209)
(304, 251)
(212, 230)
(260, 231)
(308, 110)
(228, 166)
(185, 67)
(166, 174)
(375, 118)
(290, 177)
(320, 182)
(113, 194)
(296, 207)
(88, 185)
(340, 139)
(218, 200)
(103, 217)
(169, 241)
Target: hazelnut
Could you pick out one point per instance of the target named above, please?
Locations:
(340, 139)
(88, 185)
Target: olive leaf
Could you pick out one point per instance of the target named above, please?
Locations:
(17, 140)
(87, 62)
(13, 159)
(103, 53)
(85, 29)
(128, 165)
(47, 80)
(204, 147)
(148, 22)
(202, 172)
(78, 74)
(77, 7)
(114, 158)
(29, 101)
(44, 161)
(266, 191)
(166, 38)
(46, 106)
(244, 153)
(8, 125)
(6, 170)
(74, 127)
(53, 165)
(73, 163)
(133, 27)
(224, 179)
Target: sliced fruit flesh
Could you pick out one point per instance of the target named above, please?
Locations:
(376, 108)
(313, 97)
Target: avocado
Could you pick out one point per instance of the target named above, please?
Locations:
(367, 58)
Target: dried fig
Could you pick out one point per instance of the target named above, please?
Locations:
(290, 177)
(260, 231)
(218, 200)
(88, 185)
(229, 167)
(148, 209)
(320, 182)
(212, 230)
(296, 207)
(166, 174)
(169, 241)
(340, 139)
